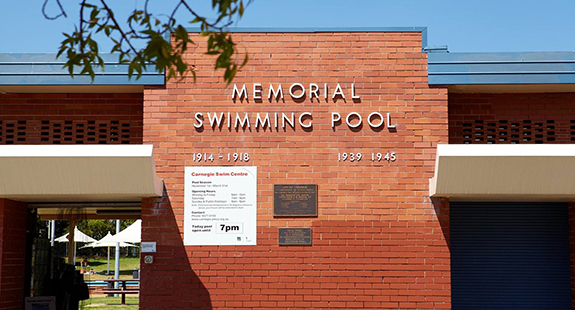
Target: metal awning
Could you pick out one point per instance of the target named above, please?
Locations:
(78, 173)
(511, 172)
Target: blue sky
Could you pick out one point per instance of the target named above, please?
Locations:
(464, 26)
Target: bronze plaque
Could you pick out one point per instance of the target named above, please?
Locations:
(294, 236)
(295, 200)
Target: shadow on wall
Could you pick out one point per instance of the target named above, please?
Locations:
(169, 281)
(441, 206)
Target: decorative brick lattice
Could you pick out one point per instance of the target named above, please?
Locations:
(511, 132)
(89, 132)
(60, 118)
(12, 132)
(66, 132)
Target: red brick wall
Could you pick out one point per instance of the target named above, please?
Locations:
(70, 118)
(12, 253)
(378, 241)
(549, 115)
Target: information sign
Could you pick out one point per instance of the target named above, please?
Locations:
(220, 205)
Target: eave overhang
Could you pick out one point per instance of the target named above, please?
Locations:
(491, 172)
(78, 173)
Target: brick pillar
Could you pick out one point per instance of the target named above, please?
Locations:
(12, 253)
(443, 258)
(171, 273)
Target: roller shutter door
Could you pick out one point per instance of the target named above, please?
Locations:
(510, 256)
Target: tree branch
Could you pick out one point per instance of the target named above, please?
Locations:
(62, 12)
(111, 15)
(165, 53)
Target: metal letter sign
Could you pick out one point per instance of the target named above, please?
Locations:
(220, 205)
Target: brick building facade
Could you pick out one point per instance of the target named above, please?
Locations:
(377, 240)
(361, 115)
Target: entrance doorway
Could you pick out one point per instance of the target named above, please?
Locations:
(73, 276)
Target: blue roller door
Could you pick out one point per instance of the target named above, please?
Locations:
(510, 256)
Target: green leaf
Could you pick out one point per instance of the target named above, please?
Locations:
(167, 56)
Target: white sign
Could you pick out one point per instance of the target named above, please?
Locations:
(148, 247)
(220, 205)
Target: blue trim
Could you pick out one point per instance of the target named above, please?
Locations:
(46, 69)
(423, 39)
(501, 68)
(435, 49)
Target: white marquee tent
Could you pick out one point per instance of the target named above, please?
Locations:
(78, 237)
(132, 233)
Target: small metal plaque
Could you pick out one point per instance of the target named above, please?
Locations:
(294, 236)
(295, 200)
(148, 247)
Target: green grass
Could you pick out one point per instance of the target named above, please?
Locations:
(100, 266)
(110, 303)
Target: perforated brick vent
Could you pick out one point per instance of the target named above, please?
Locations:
(89, 132)
(12, 132)
(572, 130)
(66, 132)
(511, 132)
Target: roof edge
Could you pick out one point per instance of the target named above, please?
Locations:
(509, 68)
(316, 29)
(422, 30)
(43, 69)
